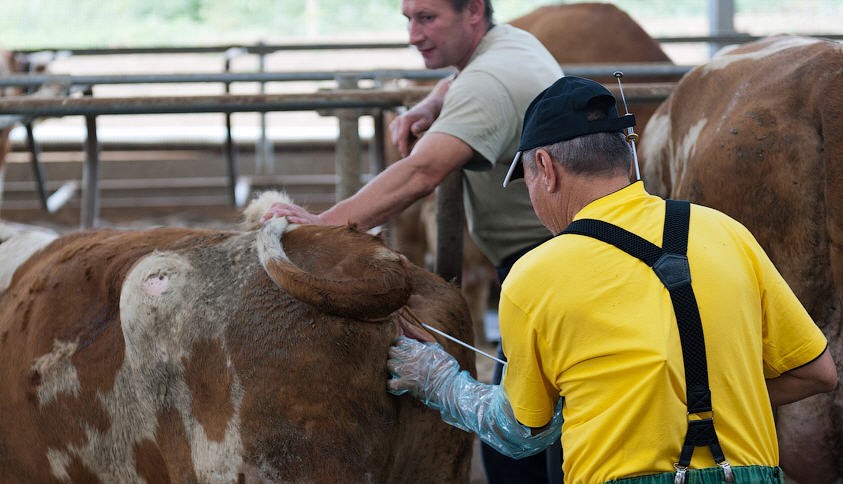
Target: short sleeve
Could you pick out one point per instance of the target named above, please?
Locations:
(479, 111)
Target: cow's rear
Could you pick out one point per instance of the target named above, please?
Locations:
(174, 355)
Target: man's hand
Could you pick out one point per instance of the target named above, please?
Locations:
(419, 368)
(294, 214)
(407, 128)
(429, 373)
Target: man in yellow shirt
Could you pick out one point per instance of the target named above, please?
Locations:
(660, 331)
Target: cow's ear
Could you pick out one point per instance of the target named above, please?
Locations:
(339, 270)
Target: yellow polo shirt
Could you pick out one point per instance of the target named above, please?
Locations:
(586, 321)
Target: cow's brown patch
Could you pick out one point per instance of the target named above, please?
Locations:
(149, 463)
(77, 471)
(172, 442)
(209, 379)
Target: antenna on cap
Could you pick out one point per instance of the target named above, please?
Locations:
(631, 136)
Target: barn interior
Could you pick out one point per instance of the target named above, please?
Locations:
(186, 134)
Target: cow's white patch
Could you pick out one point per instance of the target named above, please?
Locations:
(152, 291)
(684, 151)
(658, 135)
(724, 57)
(58, 464)
(58, 375)
(19, 242)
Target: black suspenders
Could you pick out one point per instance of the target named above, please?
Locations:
(670, 263)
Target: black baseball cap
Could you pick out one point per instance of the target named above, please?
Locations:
(559, 113)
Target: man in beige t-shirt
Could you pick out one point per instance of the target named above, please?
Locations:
(475, 127)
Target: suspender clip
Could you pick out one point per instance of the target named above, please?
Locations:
(681, 472)
(727, 471)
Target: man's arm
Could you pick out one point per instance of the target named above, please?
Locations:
(434, 157)
(408, 127)
(818, 376)
(430, 374)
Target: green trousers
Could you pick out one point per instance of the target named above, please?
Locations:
(712, 475)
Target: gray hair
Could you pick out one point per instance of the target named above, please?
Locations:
(592, 154)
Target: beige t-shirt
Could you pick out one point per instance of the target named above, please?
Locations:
(485, 108)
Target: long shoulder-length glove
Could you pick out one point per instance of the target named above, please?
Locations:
(429, 373)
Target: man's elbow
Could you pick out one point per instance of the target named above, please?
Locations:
(424, 181)
(829, 382)
(826, 378)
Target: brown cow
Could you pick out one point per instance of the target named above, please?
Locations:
(755, 132)
(582, 33)
(597, 33)
(189, 355)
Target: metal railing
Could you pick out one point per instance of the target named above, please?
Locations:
(266, 49)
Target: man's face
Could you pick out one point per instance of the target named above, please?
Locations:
(442, 35)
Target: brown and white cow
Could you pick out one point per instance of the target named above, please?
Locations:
(582, 33)
(756, 133)
(190, 355)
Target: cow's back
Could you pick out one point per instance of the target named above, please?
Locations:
(568, 32)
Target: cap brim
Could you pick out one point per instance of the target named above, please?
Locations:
(516, 170)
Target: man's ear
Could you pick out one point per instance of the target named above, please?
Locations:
(477, 9)
(546, 170)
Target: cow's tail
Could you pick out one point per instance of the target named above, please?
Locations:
(372, 287)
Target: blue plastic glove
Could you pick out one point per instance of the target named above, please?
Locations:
(429, 373)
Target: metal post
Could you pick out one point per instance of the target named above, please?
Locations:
(449, 228)
(230, 149)
(348, 145)
(377, 153)
(264, 150)
(35, 160)
(721, 21)
(89, 212)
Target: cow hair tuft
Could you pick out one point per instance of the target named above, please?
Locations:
(259, 205)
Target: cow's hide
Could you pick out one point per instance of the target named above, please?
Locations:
(190, 355)
(755, 133)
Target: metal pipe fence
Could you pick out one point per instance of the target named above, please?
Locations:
(583, 70)
(266, 49)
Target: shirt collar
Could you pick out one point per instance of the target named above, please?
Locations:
(604, 205)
